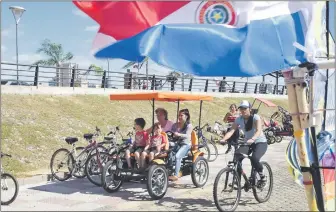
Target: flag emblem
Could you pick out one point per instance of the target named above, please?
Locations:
(216, 12)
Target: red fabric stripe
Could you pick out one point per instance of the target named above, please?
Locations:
(125, 19)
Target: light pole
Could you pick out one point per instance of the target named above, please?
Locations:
(17, 13)
(108, 72)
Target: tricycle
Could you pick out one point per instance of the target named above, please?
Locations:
(275, 132)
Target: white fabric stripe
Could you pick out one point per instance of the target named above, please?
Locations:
(100, 41)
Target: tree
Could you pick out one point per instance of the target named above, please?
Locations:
(54, 52)
(134, 64)
(96, 69)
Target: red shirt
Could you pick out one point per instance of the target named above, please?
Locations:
(157, 140)
(141, 138)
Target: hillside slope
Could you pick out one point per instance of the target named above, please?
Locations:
(33, 127)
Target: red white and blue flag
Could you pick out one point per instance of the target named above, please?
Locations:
(208, 38)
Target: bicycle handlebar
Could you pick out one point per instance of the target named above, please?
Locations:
(198, 128)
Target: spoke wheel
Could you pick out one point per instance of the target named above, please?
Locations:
(157, 181)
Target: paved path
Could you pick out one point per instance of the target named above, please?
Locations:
(81, 195)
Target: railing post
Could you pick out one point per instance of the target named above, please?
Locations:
(256, 88)
(245, 87)
(206, 85)
(233, 87)
(274, 89)
(103, 80)
(36, 75)
(283, 90)
(130, 81)
(153, 83)
(72, 82)
(190, 84)
(172, 85)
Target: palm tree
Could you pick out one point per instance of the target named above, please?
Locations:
(54, 52)
(56, 56)
(132, 63)
(96, 69)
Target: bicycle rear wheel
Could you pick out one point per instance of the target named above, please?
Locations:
(262, 186)
(67, 162)
(7, 178)
(230, 185)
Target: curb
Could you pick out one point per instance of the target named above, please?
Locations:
(35, 179)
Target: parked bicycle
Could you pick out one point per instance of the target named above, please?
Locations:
(73, 162)
(8, 183)
(253, 182)
(210, 149)
(96, 162)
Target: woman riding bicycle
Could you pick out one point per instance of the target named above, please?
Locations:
(254, 136)
(182, 131)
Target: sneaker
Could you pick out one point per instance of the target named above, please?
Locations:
(173, 178)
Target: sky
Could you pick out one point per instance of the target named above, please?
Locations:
(61, 22)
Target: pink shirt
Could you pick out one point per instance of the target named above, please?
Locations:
(168, 126)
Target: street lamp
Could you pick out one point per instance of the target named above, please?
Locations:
(17, 13)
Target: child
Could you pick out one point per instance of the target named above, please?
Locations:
(140, 142)
(158, 141)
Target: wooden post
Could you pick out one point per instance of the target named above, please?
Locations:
(298, 105)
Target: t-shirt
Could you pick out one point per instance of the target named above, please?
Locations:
(249, 134)
(168, 126)
(140, 138)
(157, 140)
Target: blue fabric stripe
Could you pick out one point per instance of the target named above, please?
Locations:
(261, 47)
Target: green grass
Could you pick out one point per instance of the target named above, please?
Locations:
(34, 126)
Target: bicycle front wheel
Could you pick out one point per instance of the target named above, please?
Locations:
(94, 167)
(213, 150)
(227, 198)
(9, 188)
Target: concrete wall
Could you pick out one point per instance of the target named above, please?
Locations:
(32, 90)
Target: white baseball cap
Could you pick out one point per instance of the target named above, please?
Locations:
(244, 104)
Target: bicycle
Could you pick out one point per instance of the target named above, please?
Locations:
(95, 162)
(76, 163)
(4, 184)
(115, 172)
(204, 142)
(234, 167)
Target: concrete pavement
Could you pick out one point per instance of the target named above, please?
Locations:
(81, 195)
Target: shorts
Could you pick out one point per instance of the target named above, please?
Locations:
(152, 149)
(138, 149)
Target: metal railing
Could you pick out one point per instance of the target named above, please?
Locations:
(40, 76)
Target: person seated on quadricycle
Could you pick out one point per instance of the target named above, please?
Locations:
(140, 142)
(182, 132)
(157, 143)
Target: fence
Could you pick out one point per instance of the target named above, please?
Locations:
(71, 76)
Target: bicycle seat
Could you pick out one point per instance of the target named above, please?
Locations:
(108, 138)
(71, 140)
(88, 136)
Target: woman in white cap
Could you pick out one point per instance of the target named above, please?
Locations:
(254, 136)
